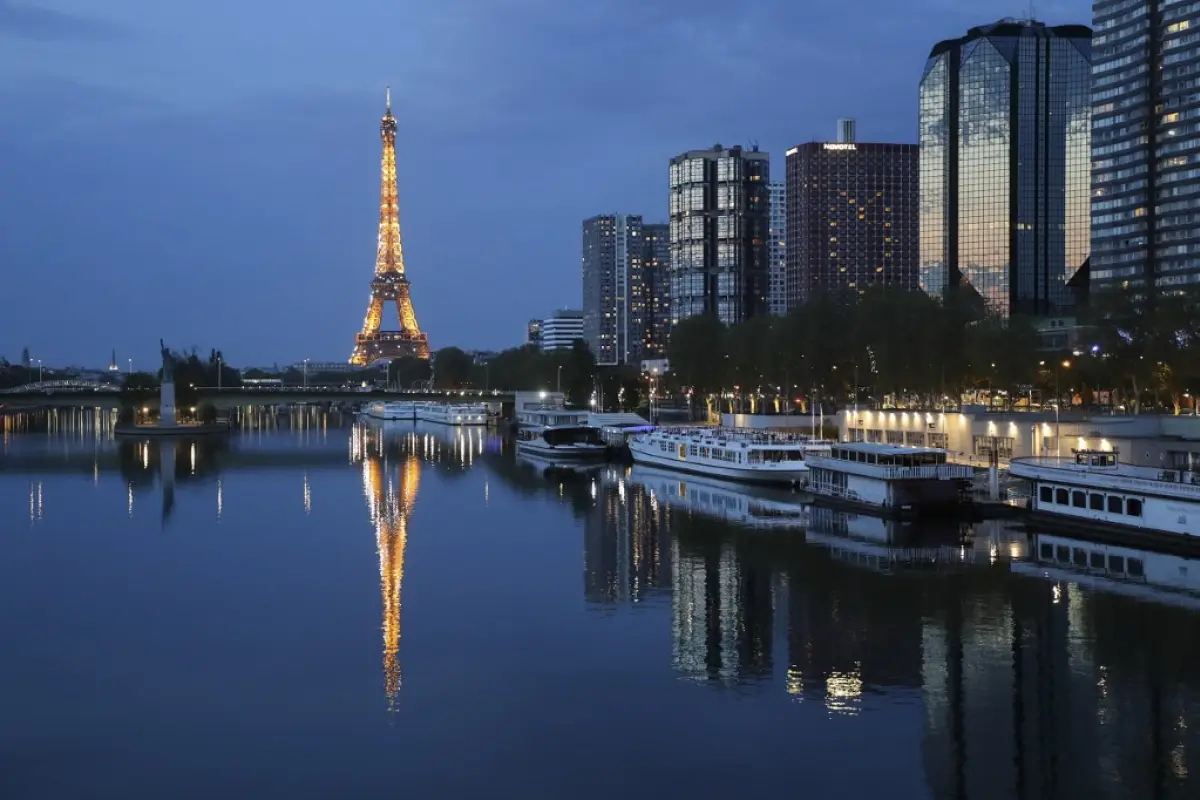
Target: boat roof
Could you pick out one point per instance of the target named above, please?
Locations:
(882, 449)
(1120, 469)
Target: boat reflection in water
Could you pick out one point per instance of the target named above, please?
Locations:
(741, 504)
(1026, 687)
(1138, 573)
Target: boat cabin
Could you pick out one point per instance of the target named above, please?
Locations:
(1096, 458)
(889, 455)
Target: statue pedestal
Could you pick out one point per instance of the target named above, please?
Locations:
(166, 413)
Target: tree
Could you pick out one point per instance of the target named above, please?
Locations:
(452, 368)
(408, 372)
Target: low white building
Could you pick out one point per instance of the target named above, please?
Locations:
(1164, 441)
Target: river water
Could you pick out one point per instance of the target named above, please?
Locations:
(318, 608)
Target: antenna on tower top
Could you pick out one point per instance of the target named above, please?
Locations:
(389, 99)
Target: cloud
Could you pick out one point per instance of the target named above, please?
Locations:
(25, 21)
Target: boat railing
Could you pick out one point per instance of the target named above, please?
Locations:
(1166, 477)
(896, 473)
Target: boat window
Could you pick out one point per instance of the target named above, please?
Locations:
(1047, 552)
(1046, 494)
(1080, 557)
(1133, 507)
(1114, 504)
(1097, 560)
(1062, 553)
(1060, 496)
(1135, 569)
(1078, 499)
(1096, 502)
(1116, 563)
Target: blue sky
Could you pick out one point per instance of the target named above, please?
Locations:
(208, 172)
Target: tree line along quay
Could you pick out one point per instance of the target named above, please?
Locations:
(902, 347)
(885, 346)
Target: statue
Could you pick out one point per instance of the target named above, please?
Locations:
(168, 364)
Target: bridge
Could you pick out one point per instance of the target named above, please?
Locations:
(83, 394)
(57, 386)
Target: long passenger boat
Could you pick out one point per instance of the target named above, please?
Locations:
(454, 414)
(729, 453)
(1094, 489)
(890, 478)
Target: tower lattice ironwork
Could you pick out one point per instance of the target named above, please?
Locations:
(391, 282)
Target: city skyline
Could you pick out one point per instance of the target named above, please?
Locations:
(230, 203)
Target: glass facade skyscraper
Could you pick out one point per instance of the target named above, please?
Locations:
(719, 231)
(651, 313)
(777, 272)
(1005, 165)
(1146, 144)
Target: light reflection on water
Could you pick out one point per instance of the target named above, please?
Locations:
(598, 614)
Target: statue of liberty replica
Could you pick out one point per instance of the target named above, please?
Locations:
(166, 406)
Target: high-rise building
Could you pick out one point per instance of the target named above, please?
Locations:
(651, 305)
(560, 331)
(1145, 143)
(533, 332)
(719, 232)
(612, 254)
(777, 272)
(1005, 124)
(852, 215)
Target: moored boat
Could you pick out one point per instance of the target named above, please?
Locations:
(454, 414)
(561, 442)
(890, 478)
(729, 453)
(1095, 489)
(392, 410)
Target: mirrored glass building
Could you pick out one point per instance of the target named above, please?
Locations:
(1005, 166)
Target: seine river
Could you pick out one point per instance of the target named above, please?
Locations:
(315, 608)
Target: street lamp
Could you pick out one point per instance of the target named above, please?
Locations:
(558, 385)
(39, 370)
(306, 373)
(218, 373)
(1057, 406)
(130, 367)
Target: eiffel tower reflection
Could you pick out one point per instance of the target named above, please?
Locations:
(390, 497)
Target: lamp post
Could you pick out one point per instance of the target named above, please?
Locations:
(39, 370)
(130, 367)
(306, 373)
(218, 373)
(558, 381)
(1057, 406)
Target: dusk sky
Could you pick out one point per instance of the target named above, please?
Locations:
(208, 172)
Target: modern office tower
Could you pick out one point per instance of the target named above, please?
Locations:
(777, 272)
(1145, 144)
(533, 332)
(612, 254)
(852, 215)
(847, 131)
(719, 232)
(651, 306)
(560, 330)
(1005, 124)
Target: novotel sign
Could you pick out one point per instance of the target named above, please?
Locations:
(840, 146)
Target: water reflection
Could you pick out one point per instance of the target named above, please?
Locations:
(1053, 686)
(390, 488)
(1010, 666)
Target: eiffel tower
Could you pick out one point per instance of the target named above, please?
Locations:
(390, 283)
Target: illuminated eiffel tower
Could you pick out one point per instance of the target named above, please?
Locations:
(390, 283)
(390, 505)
